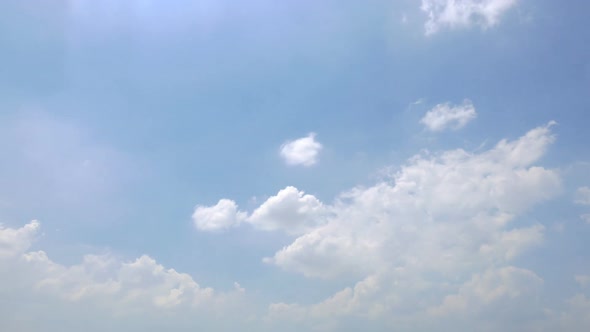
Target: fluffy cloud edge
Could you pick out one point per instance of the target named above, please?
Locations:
(290, 211)
(447, 116)
(107, 287)
(454, 14)
(219, 217)
(303, 151)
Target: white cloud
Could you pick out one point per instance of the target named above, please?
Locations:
(492, 300)
(447, 116)
(15, 241)
(101, 289)
(433, 245)
(582, 196)
(303, 151)
(585, 218)
(463, 13)
(493, 287)
(218, 217)
(290, 210)
(446, 212)
(442, 222)
(361, 297)
(445, 227)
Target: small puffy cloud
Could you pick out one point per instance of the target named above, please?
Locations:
(463, 13)
(303, 151)
(432, 245)
(221, 216)
(582, 196)
(447, 116)
(290, 210)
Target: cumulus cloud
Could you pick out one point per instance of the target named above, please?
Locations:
(220, 216)
(432, 245)
(447, 116)
(440, 223)
(582, 196)
(15, 241)
(120, 294)
(463, 13)
(303, 151)
(453, 205)
(290, 210)
(435, 238)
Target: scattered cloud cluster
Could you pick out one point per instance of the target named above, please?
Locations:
(447, 116)
(444, 212)
(221, 216)
(103, 285)
(463, 13)
(291, 211)
(301, 152)
(454, 240)
(435, 242)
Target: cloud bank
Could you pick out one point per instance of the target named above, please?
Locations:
(101, 292)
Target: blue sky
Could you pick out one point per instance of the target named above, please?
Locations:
(300, 165)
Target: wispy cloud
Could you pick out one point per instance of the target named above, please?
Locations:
(447, 116)
(463, 13)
